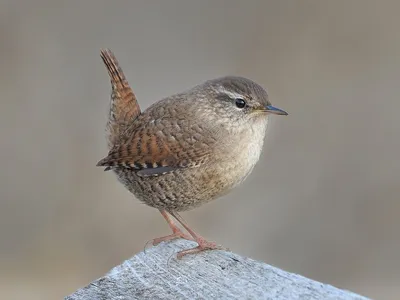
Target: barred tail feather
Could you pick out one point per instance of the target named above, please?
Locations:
(124, 107)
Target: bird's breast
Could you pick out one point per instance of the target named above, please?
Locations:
(245, 152)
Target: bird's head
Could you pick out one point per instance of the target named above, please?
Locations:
(240, 100)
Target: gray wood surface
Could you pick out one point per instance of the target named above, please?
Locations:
(157, 274)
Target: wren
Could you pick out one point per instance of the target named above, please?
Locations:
(187, 149)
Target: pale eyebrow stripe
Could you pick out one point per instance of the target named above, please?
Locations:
(231, 95)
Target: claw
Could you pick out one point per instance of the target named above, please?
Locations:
(203, 246)
(177, 234)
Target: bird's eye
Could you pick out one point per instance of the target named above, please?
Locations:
(240, 103)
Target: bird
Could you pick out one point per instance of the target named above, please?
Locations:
(187, 149)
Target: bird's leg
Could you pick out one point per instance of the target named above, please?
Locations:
(202, 243)
(176, 231)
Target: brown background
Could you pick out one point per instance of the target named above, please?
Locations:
(322, 202)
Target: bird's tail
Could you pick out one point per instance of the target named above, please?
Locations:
(124, 107)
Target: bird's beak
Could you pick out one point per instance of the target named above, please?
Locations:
(276, 111)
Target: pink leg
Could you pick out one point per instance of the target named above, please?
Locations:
(202, 243)
(176, 232)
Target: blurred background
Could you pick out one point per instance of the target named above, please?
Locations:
(322, 202)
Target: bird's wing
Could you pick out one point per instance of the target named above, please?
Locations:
(154, 150)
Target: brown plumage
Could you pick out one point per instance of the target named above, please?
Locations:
(124, 107)
(186, 149)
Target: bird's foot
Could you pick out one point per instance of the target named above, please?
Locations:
(203, 246)
(176, 234)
